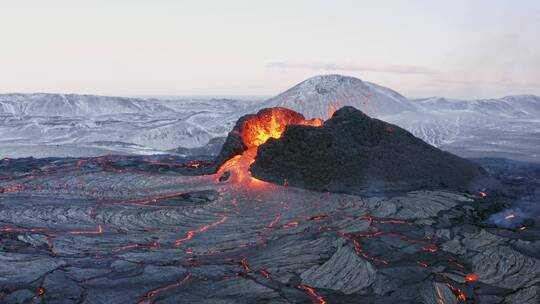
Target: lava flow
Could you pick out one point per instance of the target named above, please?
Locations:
(192, 233)
(254, 131)
(311, 292)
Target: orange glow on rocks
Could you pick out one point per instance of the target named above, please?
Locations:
(460, 295)
(471, 277)
(40, 292)
(238, 166)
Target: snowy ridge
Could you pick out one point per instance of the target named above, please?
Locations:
(71, 105)
(509, 106)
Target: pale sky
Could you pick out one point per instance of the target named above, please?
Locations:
(458, 48)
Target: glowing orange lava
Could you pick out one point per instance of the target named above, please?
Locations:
(192, 233)
(14, 188)
(471, 277)
(311, 291)
(238, 166)
(460, 295)
(40, 292)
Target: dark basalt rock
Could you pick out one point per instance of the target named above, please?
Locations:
(353, 152)
(225, 176)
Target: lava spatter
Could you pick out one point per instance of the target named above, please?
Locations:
(471, 277)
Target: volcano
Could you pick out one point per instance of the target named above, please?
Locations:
(350, 153)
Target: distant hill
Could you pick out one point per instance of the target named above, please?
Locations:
(320, 96)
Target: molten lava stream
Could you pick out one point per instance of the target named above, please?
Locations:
(238, 167)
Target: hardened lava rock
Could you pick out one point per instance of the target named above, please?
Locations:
(353, 152)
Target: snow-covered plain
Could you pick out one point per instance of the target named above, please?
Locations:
(42, 125)
(80, 125)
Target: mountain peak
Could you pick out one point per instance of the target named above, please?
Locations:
(323, 84)
(320, 96)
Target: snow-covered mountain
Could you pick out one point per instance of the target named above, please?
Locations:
(320, 96)
(51, 124)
